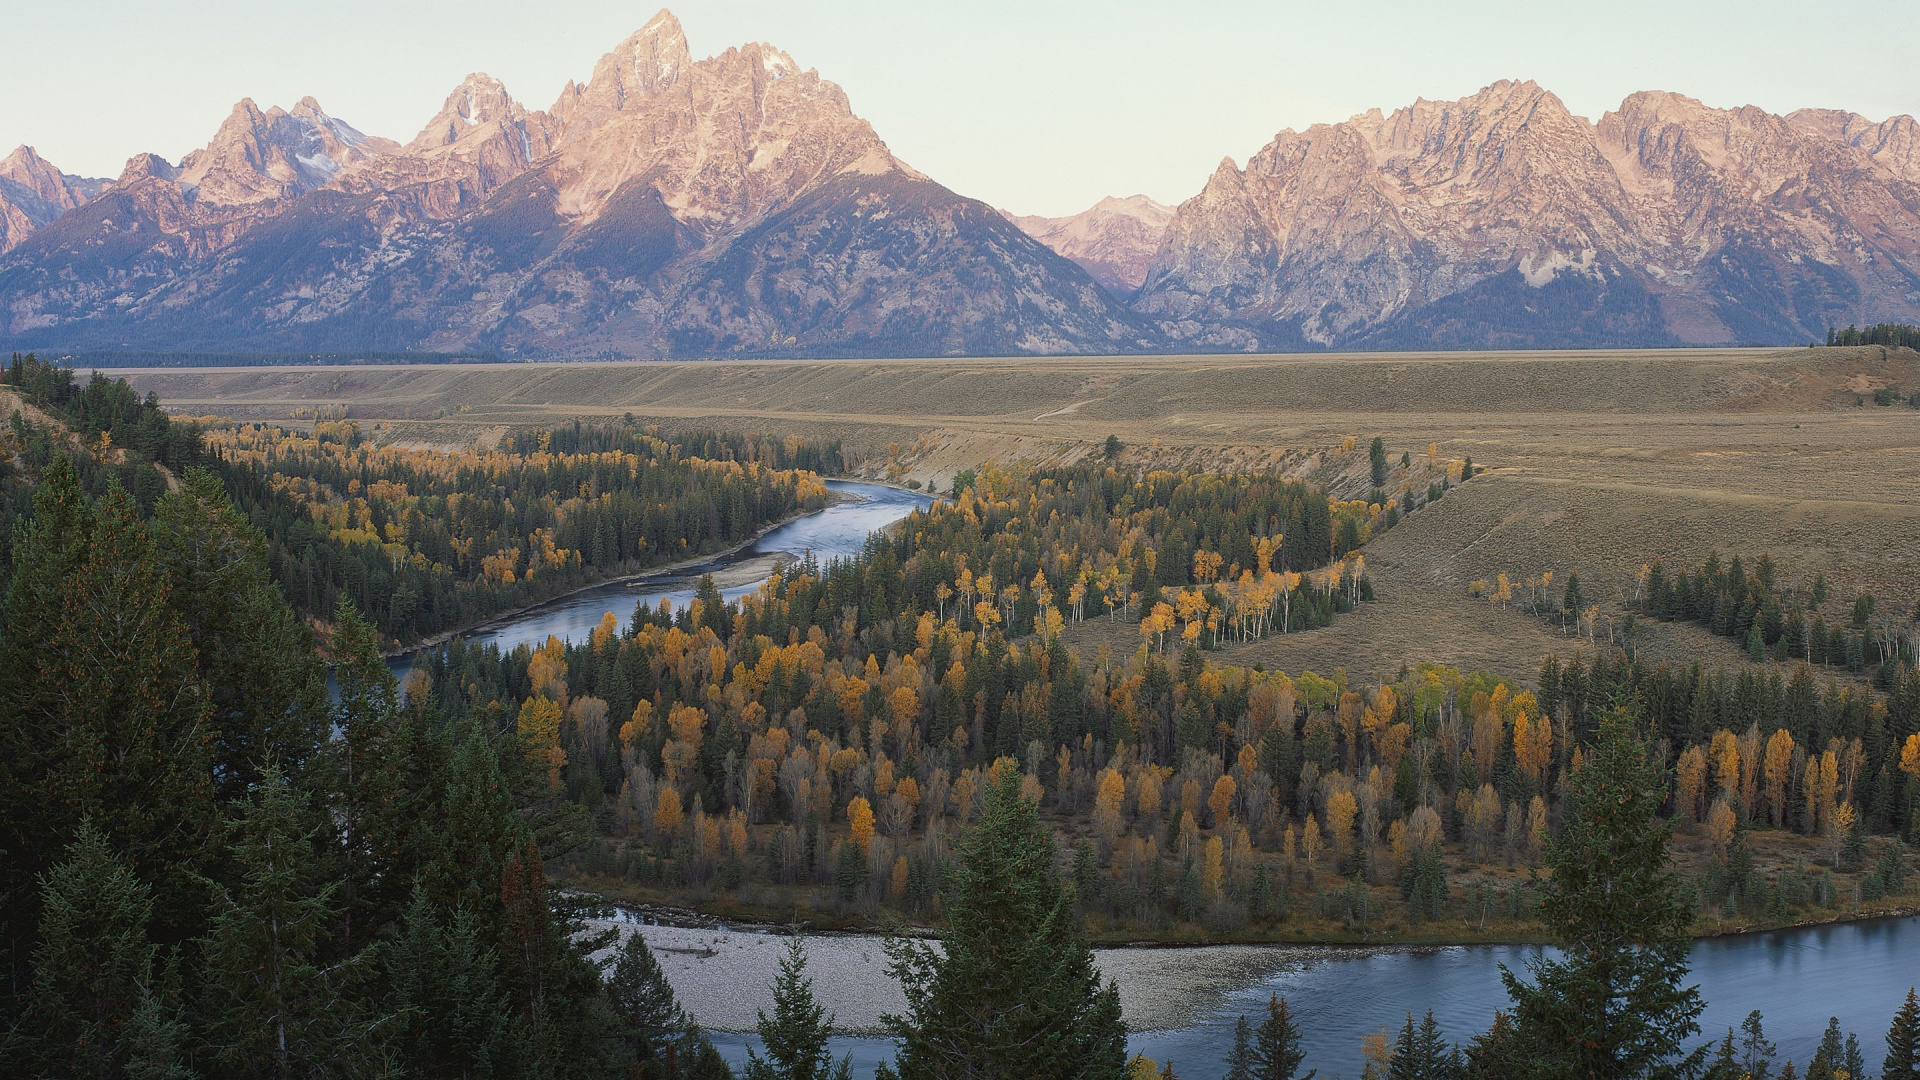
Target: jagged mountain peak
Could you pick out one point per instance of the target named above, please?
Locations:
(479, 100)
(273, 155)
(651, 60)
(33, 192)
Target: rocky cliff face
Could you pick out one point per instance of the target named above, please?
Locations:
(667, 206)
(33, 192)
(1114, 239)
(737, 205)
(1504, 220)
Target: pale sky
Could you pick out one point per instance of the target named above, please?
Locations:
(1036, 106)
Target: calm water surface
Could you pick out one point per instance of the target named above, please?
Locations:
(1858, 972)
(839, 531)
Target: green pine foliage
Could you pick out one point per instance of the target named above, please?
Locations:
(1277, 1053)
(795, 1036)
(1615, 1002)
(1013, 990)
(1422, 1053)
(92, 1003)
(1903, 1042)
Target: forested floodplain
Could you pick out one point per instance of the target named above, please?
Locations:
(218, 866)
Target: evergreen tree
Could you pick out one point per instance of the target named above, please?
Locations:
(1493, 1054)
(1424, 886)
(1613, 1004)
(1829, 1058)
(796, 1035)
(93, 967)
(1276, 1045)
(265, 683)
(1422, 1053)
(1756, 1050)
(1240, 1064)
(1725, 1063)
(1903, 1042)
(102, 711)
(666, 1043)
(270, 1004)
(444, 981)
(1015, 992)
(1377, 458)
(375, 809)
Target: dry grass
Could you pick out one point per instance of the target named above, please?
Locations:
(1599, 462)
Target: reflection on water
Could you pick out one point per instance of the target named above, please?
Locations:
(839, 531)
(1858, 972)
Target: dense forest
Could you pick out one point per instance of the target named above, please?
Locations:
(424, 540)
(1892, 335)
(217, 867)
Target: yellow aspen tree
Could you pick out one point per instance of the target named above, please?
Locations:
(963, 797)
(1341, 809)
(1289, 843)
(1690, 782)
(1310, 839)
(1810, 795)
(1220, 802)
(1532, 746)
(860, 821)
(539, 731)
(1536, 829)
(1724, 753)
(897, 887)
(1778, 770)
(667, 816)
(1190, 799)
(1720, 823)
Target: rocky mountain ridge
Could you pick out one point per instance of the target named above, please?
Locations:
(1114, 239)
(33, 193)
(1504, 220)
(738, 205)
(666, 206)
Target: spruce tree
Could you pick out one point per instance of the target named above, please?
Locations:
(796, 1035)
(271, 1004)
(1613, 1004)
(103, 712)
(443, 975)
(1756, 1050)
(1903, 1042)
(1829, 1058)
(1421, 1053)
(1014, 991)
(265, 683)
(93, 966)
(659, 1034)
(1277, 1053)
(1240, 1056)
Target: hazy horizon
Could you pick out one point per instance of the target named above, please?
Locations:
(1034, 108)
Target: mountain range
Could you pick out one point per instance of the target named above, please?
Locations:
(736, 205)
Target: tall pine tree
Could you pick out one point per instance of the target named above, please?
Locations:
(1614, 1004)
(1014, 991)
(1903, 1042)
(796, 1035)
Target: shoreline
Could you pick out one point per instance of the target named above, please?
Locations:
(669, 570)
(747, 919)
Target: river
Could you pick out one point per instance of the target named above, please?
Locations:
(839, 531)
(1796, 978)
(1858, 972)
